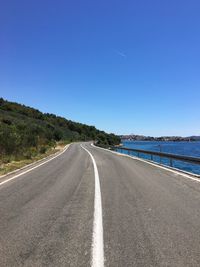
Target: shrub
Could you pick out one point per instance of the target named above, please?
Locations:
(43, 149)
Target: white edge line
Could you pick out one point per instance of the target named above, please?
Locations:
(16, 176)
(97, 239)
(151, 163)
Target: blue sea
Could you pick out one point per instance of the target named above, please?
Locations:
(179, 148)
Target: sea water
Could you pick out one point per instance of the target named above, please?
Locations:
(179, 148)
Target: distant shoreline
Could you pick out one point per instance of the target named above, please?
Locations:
(176, 141)
(162, 138)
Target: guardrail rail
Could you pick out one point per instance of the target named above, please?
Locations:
(171, 157)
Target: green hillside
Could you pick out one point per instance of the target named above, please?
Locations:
(25, 131)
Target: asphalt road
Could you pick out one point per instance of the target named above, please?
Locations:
(151, 216)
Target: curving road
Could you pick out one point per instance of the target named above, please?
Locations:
(150, 216)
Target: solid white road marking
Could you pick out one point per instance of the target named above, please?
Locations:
(97, 243)
(151, 163)
(16, 176)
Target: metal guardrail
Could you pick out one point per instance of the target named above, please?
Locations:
(169, 156)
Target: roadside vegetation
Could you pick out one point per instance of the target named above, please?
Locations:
(13, 164)
(27, 134)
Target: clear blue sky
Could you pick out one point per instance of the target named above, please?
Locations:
(124, 66)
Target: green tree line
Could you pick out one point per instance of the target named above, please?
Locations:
(25, 131)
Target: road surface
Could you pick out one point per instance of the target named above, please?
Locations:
(149, 216)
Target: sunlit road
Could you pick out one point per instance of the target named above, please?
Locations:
(150, 216)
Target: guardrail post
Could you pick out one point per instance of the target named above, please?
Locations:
(171, 162)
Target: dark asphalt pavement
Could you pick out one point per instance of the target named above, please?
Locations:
(151, 217)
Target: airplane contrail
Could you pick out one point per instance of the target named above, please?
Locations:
(120, 53)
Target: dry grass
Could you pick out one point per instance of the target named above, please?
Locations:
(14, 165)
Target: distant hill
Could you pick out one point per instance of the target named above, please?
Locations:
(25, 131)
